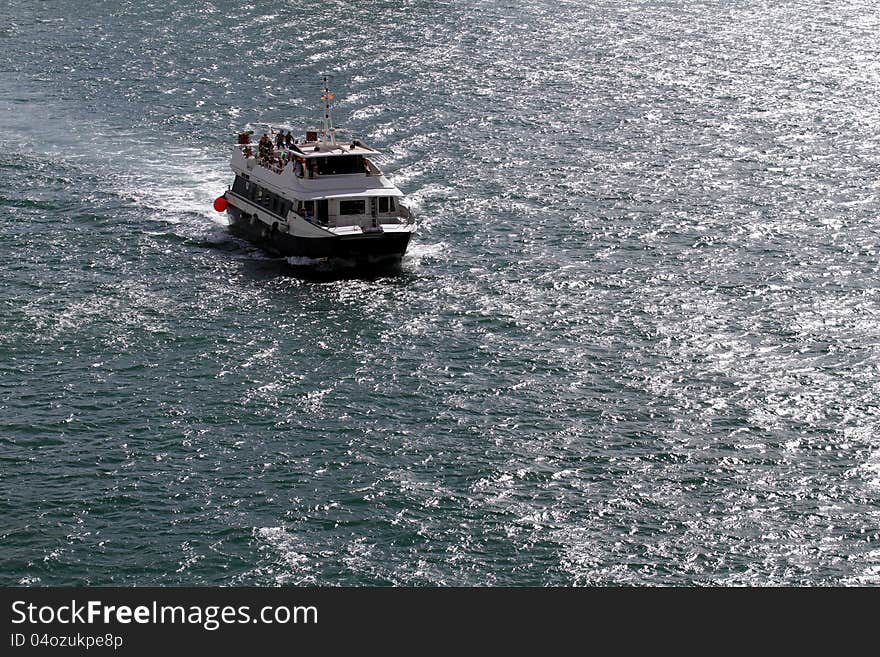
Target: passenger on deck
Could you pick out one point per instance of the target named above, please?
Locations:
(265, 146)
(279, 139)
(288, 139)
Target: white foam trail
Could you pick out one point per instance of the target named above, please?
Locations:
(178, 181)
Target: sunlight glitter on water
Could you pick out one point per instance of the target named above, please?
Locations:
(634, 341)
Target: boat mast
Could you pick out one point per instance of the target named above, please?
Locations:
(327, 122)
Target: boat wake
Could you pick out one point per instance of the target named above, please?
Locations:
(304, 261)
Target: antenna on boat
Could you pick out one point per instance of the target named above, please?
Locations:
(327, 121)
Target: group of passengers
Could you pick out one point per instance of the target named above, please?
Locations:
(276, 156)
(284, 140)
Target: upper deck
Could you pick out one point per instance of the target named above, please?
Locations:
(315, 167)
(311, 169)
(311, 149)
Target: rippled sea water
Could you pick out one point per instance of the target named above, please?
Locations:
(636, 339)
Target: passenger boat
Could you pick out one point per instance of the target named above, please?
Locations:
(316, 200)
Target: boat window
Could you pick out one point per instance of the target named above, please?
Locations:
(340, 164)
(383, 204)
(390, 204)
(306, 207)
(239, 186)
(352, 207)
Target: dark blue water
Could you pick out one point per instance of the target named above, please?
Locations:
(636, 339)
